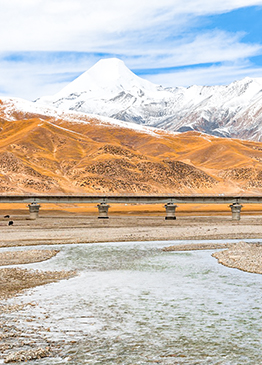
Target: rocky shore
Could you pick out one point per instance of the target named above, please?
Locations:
(13, 280)
(25, 257)
(197, 246)
(17, 345)
(243, 256)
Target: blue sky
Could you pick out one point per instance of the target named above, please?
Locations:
(45, 44)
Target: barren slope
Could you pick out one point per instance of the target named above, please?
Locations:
(44, 151)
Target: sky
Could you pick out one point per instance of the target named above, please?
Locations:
(46, 44)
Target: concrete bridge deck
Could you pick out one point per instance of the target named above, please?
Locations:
(170, 201)
(131, 199)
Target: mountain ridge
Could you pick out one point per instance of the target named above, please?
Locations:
(50, 151)
(110, 89)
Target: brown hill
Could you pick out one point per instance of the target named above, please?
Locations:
(47, 153)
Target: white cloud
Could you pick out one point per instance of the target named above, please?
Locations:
(213, 75)
(215, 46)
(87, 25)
(139, 30)
(32, 79)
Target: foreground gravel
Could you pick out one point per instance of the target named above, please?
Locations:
(18, 345)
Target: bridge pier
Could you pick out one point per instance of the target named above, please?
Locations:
(235, 209)
(170, 211)
(103, 210)
(33, 210)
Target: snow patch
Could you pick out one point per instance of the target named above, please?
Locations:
(13, 105)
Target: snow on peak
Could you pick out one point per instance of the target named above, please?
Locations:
(110, 89)
(109, 70)
(12, 107)
(107, 76)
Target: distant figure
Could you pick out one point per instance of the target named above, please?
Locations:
(10, 223)
(7, 216)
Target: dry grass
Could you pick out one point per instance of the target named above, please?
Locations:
(68, 156)
(17, 209)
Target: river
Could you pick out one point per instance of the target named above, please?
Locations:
(132, 303)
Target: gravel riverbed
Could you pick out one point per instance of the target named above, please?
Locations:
(17, 345)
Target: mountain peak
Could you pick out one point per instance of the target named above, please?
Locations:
(109, 71)
(110, 89)
(105, 77)
(114, 66)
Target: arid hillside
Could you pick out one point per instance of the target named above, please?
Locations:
(45, 152)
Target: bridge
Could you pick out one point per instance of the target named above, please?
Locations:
(170, 201)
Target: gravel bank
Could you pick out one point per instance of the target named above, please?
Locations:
(243, 256)
(25, 257)
(17, 345)
(13, 280)
(86, 229)
(197, 246)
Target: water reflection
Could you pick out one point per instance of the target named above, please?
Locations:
(134, 304)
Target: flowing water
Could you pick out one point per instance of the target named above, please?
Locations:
(135, 304)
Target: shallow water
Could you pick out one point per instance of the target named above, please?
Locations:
(134, 304)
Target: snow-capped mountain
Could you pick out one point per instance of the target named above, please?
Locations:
(110, 89)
